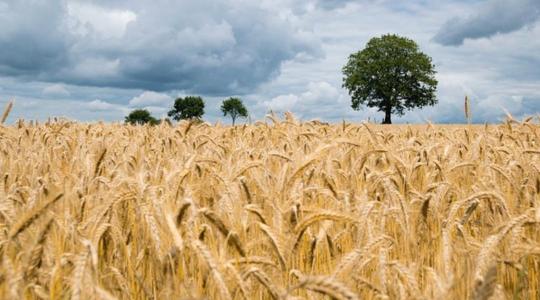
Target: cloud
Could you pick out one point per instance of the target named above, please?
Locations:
(495, 107)
(318, 94)
(282, 103)
(495, 17)
(279, 54)
(208, 47)
(320, 100)
(149, 98)
(100, 105)
(159, 112)
(56, 90)
(109, 23)
(157, 103)
(33, 37)
(530, 105)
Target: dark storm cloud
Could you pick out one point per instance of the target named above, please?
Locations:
(496, 16)
(210, 47)
(32, 41)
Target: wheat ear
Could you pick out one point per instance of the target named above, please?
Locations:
(485, 256)
(324, 285)
(78, 274)
(274, 291)
(484, 288)
(213, 267)
(220, 225)
(317, 217)
(7, 110)
(276, 244)
(467, 109)
(27, 220)
(36, 257)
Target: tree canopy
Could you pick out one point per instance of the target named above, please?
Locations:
(141, 116)
(235, 108)
(392, 74)
(187, 108)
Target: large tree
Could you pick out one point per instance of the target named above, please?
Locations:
(392, 74)
(187, 108)
(235, 108)
(140, 116)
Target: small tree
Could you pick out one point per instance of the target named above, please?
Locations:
(392, 74)
(190, 107)
(235, 108)
(141, 116)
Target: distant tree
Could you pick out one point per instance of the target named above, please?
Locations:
(392, 74)
(141, 116)
(234, 108)
(187, 108)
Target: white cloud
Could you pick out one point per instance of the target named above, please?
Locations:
(282, 103)
(100, 105)
(110, 23)
(321, 93)
(150, 98)
(30, 108)
(56, 90)
(320, 100)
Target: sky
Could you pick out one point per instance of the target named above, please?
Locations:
(98, 60)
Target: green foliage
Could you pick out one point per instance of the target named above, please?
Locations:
(392, 74)
(188, 108)
(235, 108)
(141, 116)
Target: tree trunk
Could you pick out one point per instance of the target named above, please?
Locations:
(233, 119)
(387, 115)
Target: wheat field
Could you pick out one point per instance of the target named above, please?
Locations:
(280, 209)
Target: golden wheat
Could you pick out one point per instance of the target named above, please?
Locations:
(274, 210)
